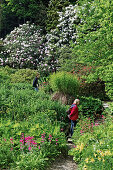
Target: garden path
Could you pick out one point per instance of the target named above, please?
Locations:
(64, 162)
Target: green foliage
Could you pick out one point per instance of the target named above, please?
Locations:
(24, 111)
(94, 42)
(90, 107)
(95, 89)
(52, 15)
(3, 77)
(20, 100)
(107, 76)
(23, 75)
(93, 144)
(7, 70)
(8, 19)
(64, 82)
(23, 11)
(65, 59)
(43, 142)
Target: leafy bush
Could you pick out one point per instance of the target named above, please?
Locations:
(4, 77)
(24, 47)
(23, 75)
(64, 82)
(95, 89)
(107, 76)
(8, 70)
(20, 100)
(90, 106)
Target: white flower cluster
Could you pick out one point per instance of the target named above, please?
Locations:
(64, 33)
(24, 47)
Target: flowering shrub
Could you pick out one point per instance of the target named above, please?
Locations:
(62, 35)
(24, 47)
(31, 138)
(93, 147)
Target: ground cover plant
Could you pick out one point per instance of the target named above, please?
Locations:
(93, 144)
(30, 127)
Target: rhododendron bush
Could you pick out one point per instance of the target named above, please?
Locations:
(23, 47)
(61, 36)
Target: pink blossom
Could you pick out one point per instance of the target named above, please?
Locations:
(96, 124)
(11, 149)
(29, 148)
(102, 116)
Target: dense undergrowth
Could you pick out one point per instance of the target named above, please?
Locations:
(32, 127)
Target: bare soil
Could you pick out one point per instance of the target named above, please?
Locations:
(64, 162)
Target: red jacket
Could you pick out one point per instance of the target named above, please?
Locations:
(74, 113)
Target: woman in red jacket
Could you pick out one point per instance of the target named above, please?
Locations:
(74, 115)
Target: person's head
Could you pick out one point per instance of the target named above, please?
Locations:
(77, 101)
(37, 75)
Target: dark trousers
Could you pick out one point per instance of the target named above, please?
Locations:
(73, 124)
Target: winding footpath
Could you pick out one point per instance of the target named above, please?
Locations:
(64, 162)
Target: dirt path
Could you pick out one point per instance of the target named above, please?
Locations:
(64, 162)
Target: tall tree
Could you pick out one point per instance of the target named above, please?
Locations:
(94, 44)
(95, 32)
(54, 7)
(15, 12)
(8, 19)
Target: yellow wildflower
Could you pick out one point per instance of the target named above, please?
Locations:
(16, 125)
(95, 154)
(32, 129)
(37, 125)
(81, 147)
(98, 151)
(92, 160)
(102, 154)
(99, 158)
(19, 133)
(77, 148)
(85, 167)
(103, 160)
(107, 152)
(86, 160)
